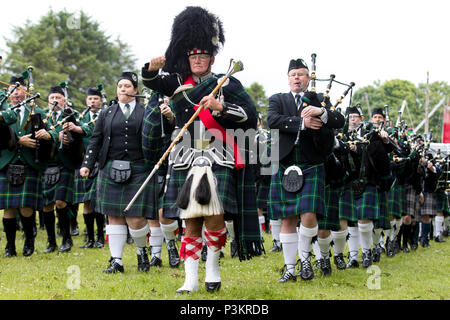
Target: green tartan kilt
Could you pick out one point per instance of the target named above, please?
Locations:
(384, 220)
(112, 198)
(84, 188)
(226, 190)
(347, 204)
(395, 201)
(26, 195)
(262, 194)
(311, 198)
(441, 201)
(367, 205)
(330, 221)
(62, 190)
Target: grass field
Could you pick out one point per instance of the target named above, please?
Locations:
(422, 275)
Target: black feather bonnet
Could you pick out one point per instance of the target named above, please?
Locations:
(194, 30)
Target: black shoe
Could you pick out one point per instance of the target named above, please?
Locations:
(50, 248)
(155, 262)
(276, 246)
(390, 252)
(352, 263)
(66, 245)
(174, 258)
(325, 266)
(204, 253)
(424, 244)
(306, 270)
(414, 246)
(142, 260)
(114, 266)
(100, 243)
(89, 244)
(233, 249)
(367, 259)
(212, 286)
(405, 249)
(439, 239)
(376, 254)
(10, 252)
(381, 249)
(339, 261)
(75, 231)
(286, 276)
(28, 247)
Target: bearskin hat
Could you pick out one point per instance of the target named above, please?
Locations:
(194, 30)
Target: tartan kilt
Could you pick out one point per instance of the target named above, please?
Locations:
(62, 190)
(330, 221)
(428, 207)
(112, 198)
(413, 206)
(27, 195)
(262, 194)
(441, 201)
(311, 198)
(84, 188)
(384, 221)
(395, 201)
(369, 208)
(226, 190)
(347, 204)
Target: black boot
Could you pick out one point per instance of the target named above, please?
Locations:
(73, 214)
(174, 258)
(10, 226)
(41, 220)
(64, 225)
(49, 221)
(405, 237)
(89, 222)
(100, 220)
(28, 247)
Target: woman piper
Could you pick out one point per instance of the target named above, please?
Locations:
(116, 145)
(192, 193)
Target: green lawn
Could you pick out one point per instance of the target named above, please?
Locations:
(423, 274)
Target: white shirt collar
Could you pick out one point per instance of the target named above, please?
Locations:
(132, 105)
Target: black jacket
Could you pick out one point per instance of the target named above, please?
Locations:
(316, 145)
(100, 141)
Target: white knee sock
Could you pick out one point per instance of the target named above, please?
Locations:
(230, 229)
(353, 242)
(391, 231)
(316, 249)
(156, 241)
(117, 236)
(262, 220)
(169, 230)
(305, 239)
(439, 225)
(339, 239)
(324, 245)
(365, 235)
(289, 243)
(275, 226)
(398, 224)
(140, 237)
(376, 236)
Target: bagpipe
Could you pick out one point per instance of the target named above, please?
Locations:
(34, 121)
(311, 98)
(74, 150)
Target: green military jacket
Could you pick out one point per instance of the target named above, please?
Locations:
(21, 153)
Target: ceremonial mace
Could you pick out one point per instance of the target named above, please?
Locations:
(235, 66)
